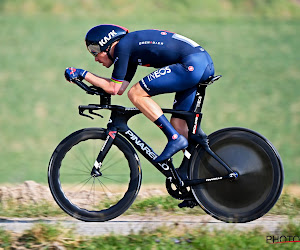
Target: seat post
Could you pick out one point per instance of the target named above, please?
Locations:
(200, 95)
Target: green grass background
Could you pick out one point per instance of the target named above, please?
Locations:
(254, 45)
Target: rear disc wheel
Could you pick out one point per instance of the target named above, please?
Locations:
(258, 185)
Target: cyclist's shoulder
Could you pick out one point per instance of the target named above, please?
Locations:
(132, 36)
(146, 33)
(128, 42)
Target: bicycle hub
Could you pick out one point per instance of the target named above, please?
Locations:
(95, 172)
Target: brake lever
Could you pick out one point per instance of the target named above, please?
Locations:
(94, 113)
(81, 112)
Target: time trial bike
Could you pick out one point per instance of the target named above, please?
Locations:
(234, 174)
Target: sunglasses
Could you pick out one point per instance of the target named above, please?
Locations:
(94, 49)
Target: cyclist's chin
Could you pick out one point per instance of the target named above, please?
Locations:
(107, 65)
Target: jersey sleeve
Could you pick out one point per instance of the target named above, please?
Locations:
(120, 68)
(131, 69)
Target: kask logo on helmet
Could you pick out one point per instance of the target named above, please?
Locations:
(107, 38)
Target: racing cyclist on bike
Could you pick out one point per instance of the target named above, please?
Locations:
(181, 64)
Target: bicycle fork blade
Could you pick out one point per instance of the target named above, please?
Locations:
(95, 172)
(111, 134)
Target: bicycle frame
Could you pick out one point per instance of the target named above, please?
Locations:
(249, 153)
(118, 124)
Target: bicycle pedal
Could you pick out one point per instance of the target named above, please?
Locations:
(188, 203)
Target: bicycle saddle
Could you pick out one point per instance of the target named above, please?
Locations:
(210, 80)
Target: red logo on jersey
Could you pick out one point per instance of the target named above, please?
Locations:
(175, 136)
(191, 68)
(163, 33)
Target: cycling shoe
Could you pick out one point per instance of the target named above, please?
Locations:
(188, 203)
(172, 147)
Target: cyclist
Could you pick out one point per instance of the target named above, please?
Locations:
(181, 64)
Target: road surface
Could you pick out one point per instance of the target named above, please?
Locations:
(134, 224)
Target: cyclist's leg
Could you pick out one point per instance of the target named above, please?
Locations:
(164, 80)
(180, 126)
(141, 99)
(173, 78)
(152, 111)
(184, 100)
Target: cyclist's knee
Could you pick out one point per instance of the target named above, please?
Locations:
(132, 94)
(136, 92)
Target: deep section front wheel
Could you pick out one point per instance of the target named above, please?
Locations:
(90, 198)
(258, 185)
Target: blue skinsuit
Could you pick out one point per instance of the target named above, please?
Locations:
(181, 64)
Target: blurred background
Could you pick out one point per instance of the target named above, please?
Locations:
(254, 45)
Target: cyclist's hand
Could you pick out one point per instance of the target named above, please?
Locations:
(73, 73)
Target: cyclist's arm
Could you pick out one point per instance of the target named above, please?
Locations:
(128, 77)
(105, 83)
(121, 76)
(123, 87)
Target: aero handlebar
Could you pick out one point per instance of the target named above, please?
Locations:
(105, 98)
(91, 90)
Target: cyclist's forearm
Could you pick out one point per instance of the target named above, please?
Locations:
(105, 83)
(123, 87)
(97, 81)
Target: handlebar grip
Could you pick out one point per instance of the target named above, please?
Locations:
(92, 90)
(81, 85)
(105, 98)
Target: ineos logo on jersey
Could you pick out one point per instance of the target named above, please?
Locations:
(109, 36)
(158, 73)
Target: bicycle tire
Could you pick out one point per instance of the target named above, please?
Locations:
(260, 180)
(87, 198)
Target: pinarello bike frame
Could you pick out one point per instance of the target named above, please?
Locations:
(118, 123)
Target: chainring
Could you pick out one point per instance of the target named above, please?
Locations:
(179, 193)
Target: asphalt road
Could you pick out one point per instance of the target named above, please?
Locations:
(134, 224)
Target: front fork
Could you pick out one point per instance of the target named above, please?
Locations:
(103, 152)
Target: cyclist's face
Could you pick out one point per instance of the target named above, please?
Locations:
(103, 58)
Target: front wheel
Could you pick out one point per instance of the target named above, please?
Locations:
(260, 180)
(91, 198)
